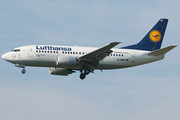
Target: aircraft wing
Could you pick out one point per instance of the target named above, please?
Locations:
(100, 53)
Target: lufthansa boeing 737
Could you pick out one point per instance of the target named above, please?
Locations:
(65, 60)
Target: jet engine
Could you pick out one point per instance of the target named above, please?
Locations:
(66, 61)
(60, 71)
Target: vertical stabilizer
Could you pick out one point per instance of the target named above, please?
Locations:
(153, 39)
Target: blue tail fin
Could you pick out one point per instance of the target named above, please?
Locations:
(153, 39)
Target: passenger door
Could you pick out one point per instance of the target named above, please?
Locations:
(31, 51)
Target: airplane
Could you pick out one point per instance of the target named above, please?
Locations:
(65, 60)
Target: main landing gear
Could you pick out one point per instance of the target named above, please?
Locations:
(83, 74)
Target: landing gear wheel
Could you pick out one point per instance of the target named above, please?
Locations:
(82, 76)
(86, 71)
(23, 71)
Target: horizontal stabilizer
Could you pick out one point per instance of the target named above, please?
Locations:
(162, 51)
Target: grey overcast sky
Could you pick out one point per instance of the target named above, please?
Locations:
(147, 92)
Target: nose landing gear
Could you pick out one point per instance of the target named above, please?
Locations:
(23, 71)
(21, 66)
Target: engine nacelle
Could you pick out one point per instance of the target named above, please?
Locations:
(66, 61)
(60, 71)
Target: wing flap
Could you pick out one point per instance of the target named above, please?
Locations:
(162, 51)
(100, 53)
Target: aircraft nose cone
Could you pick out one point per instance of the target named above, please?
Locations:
(4, 56)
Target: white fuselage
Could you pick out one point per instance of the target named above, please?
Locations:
(46, 56)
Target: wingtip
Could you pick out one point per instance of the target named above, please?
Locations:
(116, 42)
(174, 45)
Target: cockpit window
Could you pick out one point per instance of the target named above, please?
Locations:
(16, 50)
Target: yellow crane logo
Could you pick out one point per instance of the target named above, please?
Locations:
(155, 36)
